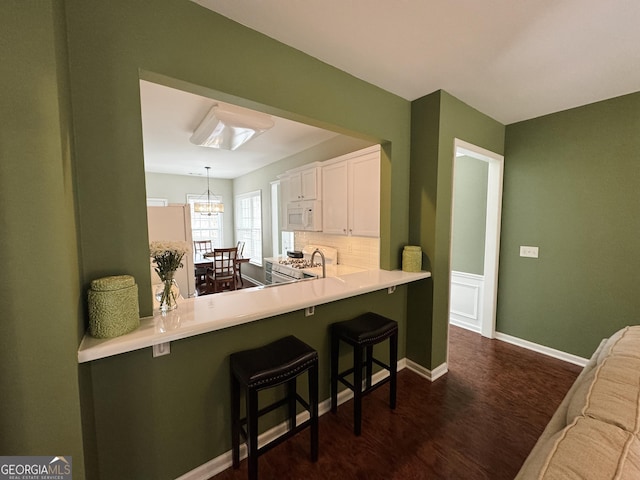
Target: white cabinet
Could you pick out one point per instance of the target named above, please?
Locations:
(351, 194)
(303, 184)
(364, 195)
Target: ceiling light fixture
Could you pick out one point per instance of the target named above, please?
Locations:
(229, 126)
(210, 207)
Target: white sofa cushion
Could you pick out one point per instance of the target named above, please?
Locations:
(611, 393)
(589, 449)
(624, 342)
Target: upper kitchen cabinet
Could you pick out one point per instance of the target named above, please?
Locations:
(302, 184)
(351, 194)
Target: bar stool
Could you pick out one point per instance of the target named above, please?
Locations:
(260, 368)
(362, 333)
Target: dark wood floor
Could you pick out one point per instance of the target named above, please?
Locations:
(477, 422)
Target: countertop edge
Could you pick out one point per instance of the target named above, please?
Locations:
(147, 335)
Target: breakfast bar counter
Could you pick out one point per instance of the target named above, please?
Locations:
(195, 316)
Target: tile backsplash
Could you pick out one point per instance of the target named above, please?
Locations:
(363, 252)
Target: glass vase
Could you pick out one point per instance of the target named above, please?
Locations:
(167, 294)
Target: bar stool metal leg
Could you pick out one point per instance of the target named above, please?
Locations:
(357, 389)
(313, 402)
(393, 364)
(369, 350)
(252, 433)
(235, 421)
(335, 356)
(291, 397)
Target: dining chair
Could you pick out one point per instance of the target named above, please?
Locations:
(200, 247)
(223, 274)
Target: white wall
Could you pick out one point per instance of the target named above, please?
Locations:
(175, 189)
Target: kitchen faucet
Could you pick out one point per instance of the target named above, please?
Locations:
(324, 267)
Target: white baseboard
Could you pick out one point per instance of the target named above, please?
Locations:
(224, 461)
(431, 375)
(567, 357)
(465, 325)
(251, 279)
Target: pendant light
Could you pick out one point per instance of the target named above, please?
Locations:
(210, 207)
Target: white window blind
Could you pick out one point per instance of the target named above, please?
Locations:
(248, 220)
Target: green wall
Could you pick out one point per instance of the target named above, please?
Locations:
(470, 183)
(571, 188)
(159, 418)
(144, 409)
(112, 45)
(40, 288)
(436, 121)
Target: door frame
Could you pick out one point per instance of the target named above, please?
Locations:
(492, 229)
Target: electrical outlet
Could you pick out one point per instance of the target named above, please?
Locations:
(528, 251)
(161, 349)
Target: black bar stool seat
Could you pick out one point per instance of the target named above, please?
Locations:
(264, 367)
(362, 333)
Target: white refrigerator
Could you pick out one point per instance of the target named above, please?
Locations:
(173, 223)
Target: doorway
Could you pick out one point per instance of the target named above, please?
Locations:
(473, 293)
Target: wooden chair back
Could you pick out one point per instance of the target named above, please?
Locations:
(202, 246)
(223, 274)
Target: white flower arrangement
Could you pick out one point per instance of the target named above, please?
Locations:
(168, 257)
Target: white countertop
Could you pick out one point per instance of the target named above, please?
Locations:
(208, 313)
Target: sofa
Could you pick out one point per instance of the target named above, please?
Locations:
(594, 433)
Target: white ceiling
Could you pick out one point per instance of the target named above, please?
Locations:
(170, 116)
(510, 59)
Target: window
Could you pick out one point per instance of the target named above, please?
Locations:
(248, 219)
(206, 227)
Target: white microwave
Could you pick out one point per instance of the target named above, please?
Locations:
(304, 215)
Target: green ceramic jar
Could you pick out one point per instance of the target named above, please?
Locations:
(113, 306)
(411, 258)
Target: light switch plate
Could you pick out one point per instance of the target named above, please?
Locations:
(528, 251)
